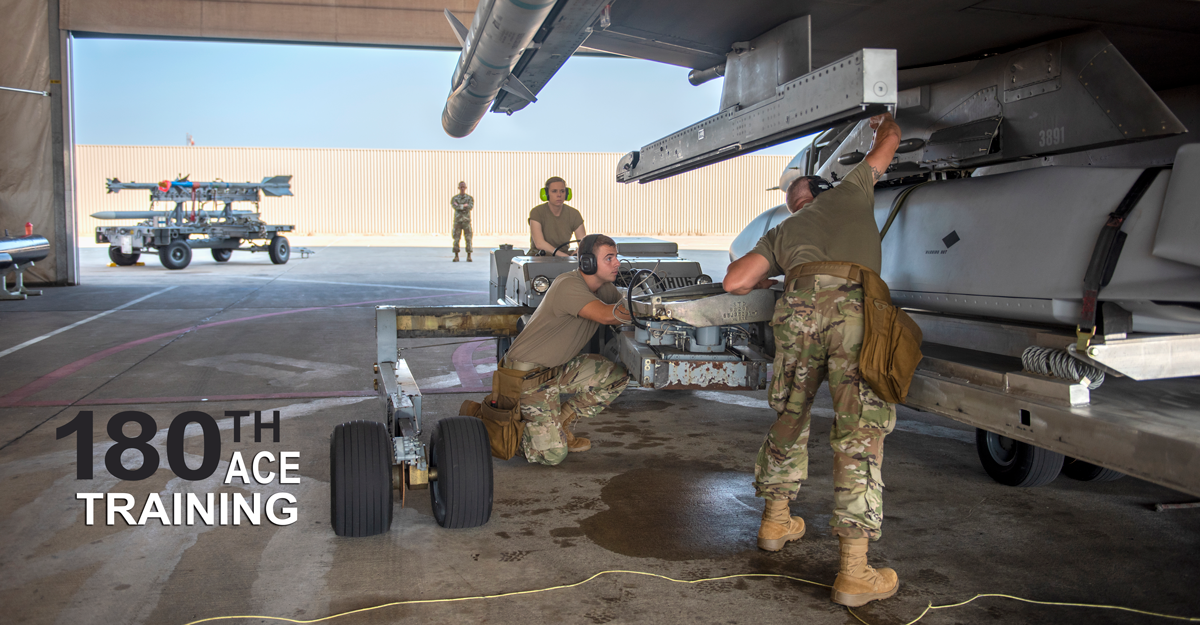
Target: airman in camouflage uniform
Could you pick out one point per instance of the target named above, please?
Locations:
(463, 204)
(586, 385)
(818, 328)
(561, 384)
(818, 332)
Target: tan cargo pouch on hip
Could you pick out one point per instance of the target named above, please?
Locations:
(891, 346)
(501, 409)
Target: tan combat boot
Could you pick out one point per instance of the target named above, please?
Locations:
(778, 526)
(858, 583)
(469, 257)
(575, 444)
(455, 258)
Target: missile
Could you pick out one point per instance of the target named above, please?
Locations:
(500, 32)
(153, 214)
(22, 250)
(273, 186)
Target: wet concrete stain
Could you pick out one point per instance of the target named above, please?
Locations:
(677, 511)
(566, 532)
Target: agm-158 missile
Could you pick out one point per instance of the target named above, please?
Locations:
(273, 186)
(153, 214)
(500, 32)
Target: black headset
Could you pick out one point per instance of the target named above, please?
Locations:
(587, 259)
(818, 185)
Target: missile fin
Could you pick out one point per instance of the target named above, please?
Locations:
(276, 186)
(460, 31)
(518, 88)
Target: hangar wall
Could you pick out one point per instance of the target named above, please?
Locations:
(344, 191)
(35, 135)
(410, 23)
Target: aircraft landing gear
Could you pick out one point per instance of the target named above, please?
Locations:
(1014, 463)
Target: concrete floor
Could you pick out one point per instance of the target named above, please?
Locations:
(666, 488)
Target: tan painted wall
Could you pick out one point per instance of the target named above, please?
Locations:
(408, 191)
(381, 22)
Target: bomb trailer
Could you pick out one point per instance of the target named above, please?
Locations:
(173, 234)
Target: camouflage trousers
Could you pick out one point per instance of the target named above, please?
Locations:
(587, 383)
(818, 328)
(462, 228)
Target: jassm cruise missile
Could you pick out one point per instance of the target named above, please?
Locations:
(153, 214)
(500, 32)
(273, 186)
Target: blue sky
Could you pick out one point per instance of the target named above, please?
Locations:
(155, 92)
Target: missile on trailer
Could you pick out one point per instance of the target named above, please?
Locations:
(273, 186)
(500, 32)
(153, 214)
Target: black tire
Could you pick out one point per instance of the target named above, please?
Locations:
(280, 251)
(1088, 472)
(221, 255)
(360, 479)
(177, 255)
(1014, 463)
(121, 259)
(462, 493)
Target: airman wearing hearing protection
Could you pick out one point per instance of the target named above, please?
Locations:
(559, 384)
(552, 222)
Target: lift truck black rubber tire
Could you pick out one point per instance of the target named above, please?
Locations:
(177, 255)
(1014, 463)
(1088, 472)
(121, 259)
(221, 255)
(462, 493)
(279, 251)
(360, 479)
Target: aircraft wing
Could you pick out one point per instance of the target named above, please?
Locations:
(1157, 37)
(778, 57)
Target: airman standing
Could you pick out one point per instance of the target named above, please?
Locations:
(463, 204)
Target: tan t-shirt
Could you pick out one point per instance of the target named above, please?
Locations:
(557, 333)
(838, 225)
(556, 230)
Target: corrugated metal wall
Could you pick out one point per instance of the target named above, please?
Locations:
(340, 191)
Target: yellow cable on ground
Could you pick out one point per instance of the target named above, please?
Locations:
(680, 581)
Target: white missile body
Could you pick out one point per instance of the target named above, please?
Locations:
(500, 32)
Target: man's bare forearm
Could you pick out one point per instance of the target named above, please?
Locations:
(883, 145)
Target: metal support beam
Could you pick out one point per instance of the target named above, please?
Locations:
(860, 85)
(454, 321)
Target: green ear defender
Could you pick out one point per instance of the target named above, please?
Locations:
(546, 196)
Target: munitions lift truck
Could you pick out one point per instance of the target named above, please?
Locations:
(174, 234)
(688, 334)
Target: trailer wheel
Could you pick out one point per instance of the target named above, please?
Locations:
(1014, 463)
(279, 251)
(1088, 472)
(177, 255)
(122, 259)
(462, 491)
(221, 255)
(360, 479)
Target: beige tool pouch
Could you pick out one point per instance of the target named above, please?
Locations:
(501, 409)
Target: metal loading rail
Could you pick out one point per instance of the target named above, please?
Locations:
(1031, 427)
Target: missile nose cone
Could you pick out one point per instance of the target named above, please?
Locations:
(453, 127)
